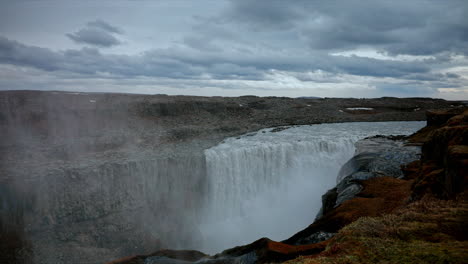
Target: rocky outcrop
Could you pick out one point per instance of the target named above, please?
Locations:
(375, 157)
(443, 169)
(416, 226)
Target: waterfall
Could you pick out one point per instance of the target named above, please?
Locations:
(269, 183)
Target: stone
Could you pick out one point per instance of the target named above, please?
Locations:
(348, 193)
(315, 238)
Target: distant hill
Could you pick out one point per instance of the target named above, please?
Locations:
(309, 97)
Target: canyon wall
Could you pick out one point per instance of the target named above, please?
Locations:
(85, 175)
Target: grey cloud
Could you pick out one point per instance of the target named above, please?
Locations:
(200, 43)
(432, 76)
(423, 27)
(13, 52)
(94, 37)
(452, 75)
(104, 26)
(246, 40)
(96, 33)
(404, 90)
(372, 67)
(266, 14)
(189, 63)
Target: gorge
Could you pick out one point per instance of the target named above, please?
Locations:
(94, 177)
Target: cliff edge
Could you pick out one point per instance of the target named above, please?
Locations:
(383, 209)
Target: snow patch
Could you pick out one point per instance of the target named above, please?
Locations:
(360, 108)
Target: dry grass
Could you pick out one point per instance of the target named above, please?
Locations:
(427, 231)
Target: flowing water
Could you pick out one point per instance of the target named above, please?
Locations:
(262, 184)
(269, 184)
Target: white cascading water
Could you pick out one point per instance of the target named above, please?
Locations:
(269, 184)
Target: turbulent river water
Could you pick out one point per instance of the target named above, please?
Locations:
(269, 183)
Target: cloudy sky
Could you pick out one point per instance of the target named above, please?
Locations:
(236, 47)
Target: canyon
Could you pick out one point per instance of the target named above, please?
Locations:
(91, 177)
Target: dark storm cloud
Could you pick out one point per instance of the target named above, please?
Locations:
(13, 52)
(422, 27)
(189, 63)
(277, 42)
(96, 33)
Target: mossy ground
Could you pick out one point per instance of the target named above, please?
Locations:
(427, 231)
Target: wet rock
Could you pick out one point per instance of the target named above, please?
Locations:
(328, 202)
(349, 192)
(315, 238)
(376, 157)
(268, 251)
(278, 129)
(441, 171)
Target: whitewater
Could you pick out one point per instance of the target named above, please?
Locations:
(269, 183)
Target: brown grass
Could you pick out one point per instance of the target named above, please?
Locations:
(427, 231)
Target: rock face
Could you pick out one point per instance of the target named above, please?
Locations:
(430, 225)
(378, 156)
(74, 166)
(378, 181)
(375, 157)
(443, 169)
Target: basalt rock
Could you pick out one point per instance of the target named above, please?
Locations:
(441, 172)
(376, 157)
(444, 163)
(378, 196)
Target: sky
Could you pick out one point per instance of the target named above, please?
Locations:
(365, 48)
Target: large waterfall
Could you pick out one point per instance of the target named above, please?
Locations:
(269, 183)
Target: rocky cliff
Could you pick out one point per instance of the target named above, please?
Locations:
(392, 204)
(75, 166)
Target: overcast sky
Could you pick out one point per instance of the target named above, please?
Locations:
(290, 48)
